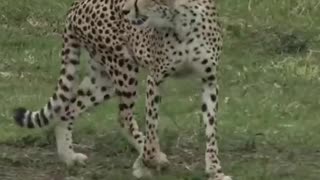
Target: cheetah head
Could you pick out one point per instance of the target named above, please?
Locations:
(154, 13)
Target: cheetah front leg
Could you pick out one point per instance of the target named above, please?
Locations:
(151, 156)
(208, 72)
(209, 108)
(127, 93)
(63, 132)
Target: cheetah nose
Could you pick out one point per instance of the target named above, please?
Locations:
(125, 12)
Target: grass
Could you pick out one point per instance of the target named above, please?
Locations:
(269, 115)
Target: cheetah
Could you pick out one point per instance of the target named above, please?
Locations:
(121, 37)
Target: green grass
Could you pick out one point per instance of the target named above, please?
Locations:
(268, 118)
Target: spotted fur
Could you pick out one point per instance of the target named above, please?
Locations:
(121, 36)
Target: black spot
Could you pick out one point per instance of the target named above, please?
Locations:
(129, 66)
(69, 128)
(136, 69)
(118, 48)
(63, 98)
(93, 99)
(79, 103)
(131, 81)
(205, 61)
(123, 107)
(74, 62)
(66, 51)
(75, 45)
(30, 124)
(125, 76)
(73, 100)
(55, 97)
(112, 18)
(211, 78)
(204, 108)
(151, 92)
(213, 97)
(80, 92)
(38, 120)
(120, 82)
(155, 116)
(67, 108)
(102, 46)
(93, 80)
(121, 62)
(136, 136)
(157, 99)
(103, 89)
(49, 106)
(190, 41)
(63, 71)
(107, 40)
(43, 117)
(63, 118)
(211, 121)
(127, 94)
(107, 96)
(70, 77)
(64, 88)
(89, 93)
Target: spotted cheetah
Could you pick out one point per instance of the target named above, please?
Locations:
(121, 36)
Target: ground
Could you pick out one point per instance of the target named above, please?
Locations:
(269, 112)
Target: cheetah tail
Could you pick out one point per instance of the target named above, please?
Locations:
(29, 119)
(64, 94)
(56, 107)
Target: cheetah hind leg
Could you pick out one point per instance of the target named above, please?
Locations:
(99, 93)
(151, 156)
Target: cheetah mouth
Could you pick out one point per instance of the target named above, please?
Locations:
(139, 20)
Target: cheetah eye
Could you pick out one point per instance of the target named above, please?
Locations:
(143, 17)
(125, 12)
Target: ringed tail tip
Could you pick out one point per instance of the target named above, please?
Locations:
(19, 114)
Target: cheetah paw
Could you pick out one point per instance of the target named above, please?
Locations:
(76, 159)
(140, 170)
(162, 161)
(221, 178)
(80, 158)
